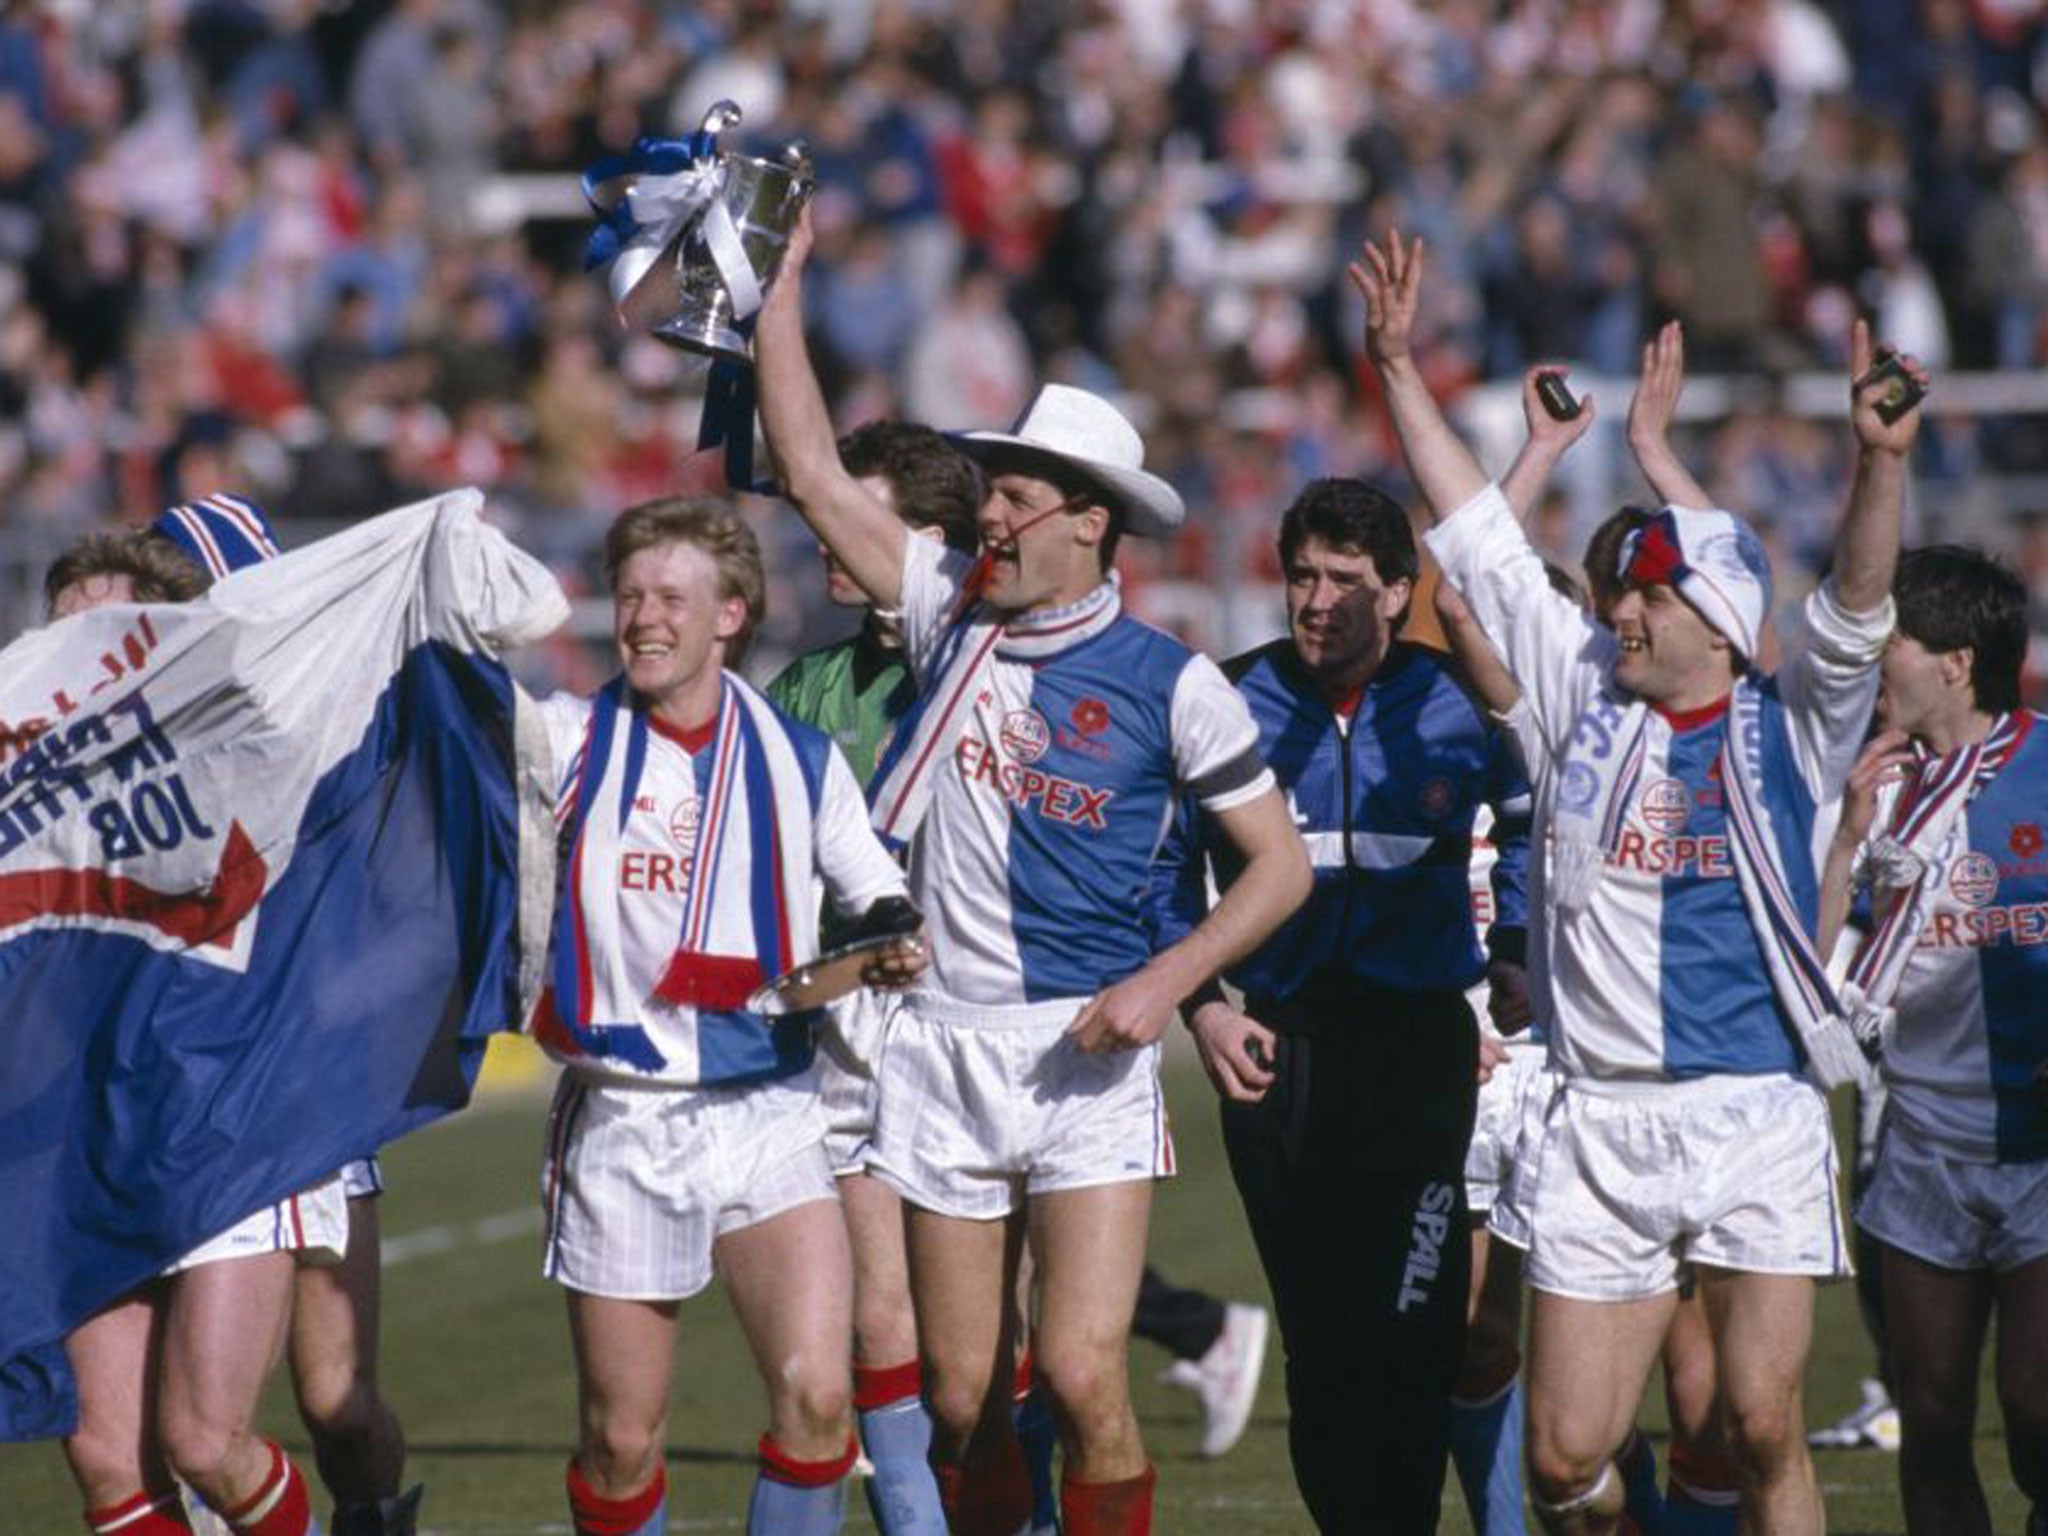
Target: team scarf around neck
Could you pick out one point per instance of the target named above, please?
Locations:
(1900, 864)
(929, 732)
(750, 872)
(1596, 789)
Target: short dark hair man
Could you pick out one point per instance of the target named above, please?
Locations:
(1944, 817)
(1351, 1169)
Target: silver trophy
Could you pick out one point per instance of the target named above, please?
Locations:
(738, 242)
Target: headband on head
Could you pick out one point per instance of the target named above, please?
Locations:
(222, 533)
(1716, 562)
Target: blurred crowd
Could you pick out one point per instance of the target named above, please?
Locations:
(329, 253)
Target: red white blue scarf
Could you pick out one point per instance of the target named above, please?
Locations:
(1900, 860)
(748, 912)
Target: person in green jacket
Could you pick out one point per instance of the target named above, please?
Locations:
(855, 690)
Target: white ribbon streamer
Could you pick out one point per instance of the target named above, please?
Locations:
(668, 208)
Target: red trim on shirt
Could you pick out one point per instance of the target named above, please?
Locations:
(1693, 719)
(693, 740)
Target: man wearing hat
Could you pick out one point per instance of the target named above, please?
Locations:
(1031, 781)
(1694, 1028)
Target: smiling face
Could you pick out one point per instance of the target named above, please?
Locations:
(1041, 544)
(1340, 613)
(1669, 655)
(672, 627)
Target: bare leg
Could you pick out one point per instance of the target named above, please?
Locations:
(224, 1329)
(962, 1278)
(357, 1442)
(1090, 1247)
(2023, 1374)
(1588, 1361)
(113, 1451)
(884, 1326)
(1493, 1313)
(1937, 1319)
(791, 1282)
(1763, 1334)
(625, 1355)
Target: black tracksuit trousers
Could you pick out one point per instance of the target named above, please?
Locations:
(1351, 1170)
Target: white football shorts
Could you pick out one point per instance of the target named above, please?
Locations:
(1953, 1212)
(849, 1046)
(1498, 1128)
(1635, 1181)
(640, 1182)
(362, 1178)
(312, 1225)
(980, 1107)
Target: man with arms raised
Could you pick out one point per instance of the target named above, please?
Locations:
(169, 1375)
(1035, 773)
(1686, 1003)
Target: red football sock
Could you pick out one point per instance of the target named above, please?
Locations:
(879, 1386)
(596, 1515)
(142, 1514)
(778, 1466)
(1121, 1508)
(279, 1508)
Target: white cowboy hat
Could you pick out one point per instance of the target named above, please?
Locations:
(1085, 435)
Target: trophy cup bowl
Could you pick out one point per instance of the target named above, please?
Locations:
(763, 198)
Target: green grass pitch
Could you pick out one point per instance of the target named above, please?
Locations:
(476, 1360)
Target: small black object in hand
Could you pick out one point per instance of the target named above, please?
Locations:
(1555, 397)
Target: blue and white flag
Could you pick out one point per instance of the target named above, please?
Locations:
(273, 865)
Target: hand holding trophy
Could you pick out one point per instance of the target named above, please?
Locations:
(692, 234)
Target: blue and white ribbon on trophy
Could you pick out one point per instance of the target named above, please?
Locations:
(662, 193)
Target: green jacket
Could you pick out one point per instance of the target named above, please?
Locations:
(854, 691)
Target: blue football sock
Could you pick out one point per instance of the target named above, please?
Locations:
(1039, 1436)
(798, 1498)
(1641, 1501)
(787, 1509)
(903, 1496)
(1486, 1448)
(1685, 1515)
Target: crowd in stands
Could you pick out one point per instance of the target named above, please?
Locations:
(338, 245)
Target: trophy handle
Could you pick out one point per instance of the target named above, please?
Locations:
(723, 115)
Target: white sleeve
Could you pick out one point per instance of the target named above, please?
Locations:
(1215, 744)
(932, 577)
(1830, 688)
(1553, 648)
(856, 868)
(1518, 721)
(567, 718)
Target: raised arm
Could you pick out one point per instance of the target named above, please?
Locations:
(1867, 548)
(862, 533)
(1483, 668)
(1650, 412)
(1390, 278)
